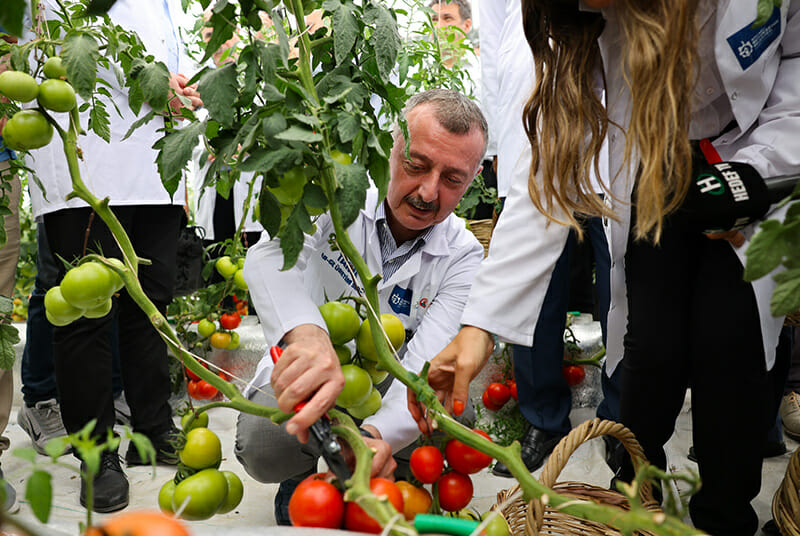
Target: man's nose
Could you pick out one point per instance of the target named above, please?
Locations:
(429, 187)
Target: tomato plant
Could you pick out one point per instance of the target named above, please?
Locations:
(357, 386)
(201, 450)
(454, 490)
(499, 393)
(57, 95)
(427, 464)
(341, 320)
(393, 328)
(201, 494)
(316, 503)
(464, 458)
(27, 130)
(574, 374)
(416, 500)
(356, 519)
(18, 86)
(230, 320)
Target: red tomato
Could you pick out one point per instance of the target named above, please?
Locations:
(455, 491)
(316, 503)
(512, 386)
(498, 393)
(230, 320)
(356, 519)
(574, 374)
(466, 459)
(191, 388)
(201, 390)
(192, 376)
(427, 464)
(491, 406)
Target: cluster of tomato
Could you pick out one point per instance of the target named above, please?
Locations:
(30, 129)
(206, 490)
(497, 394)
(200, 389)
(232, 269)
(222, 337)
(359, 396)
(86, 290)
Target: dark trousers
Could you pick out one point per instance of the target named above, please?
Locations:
(82, 350)
(693, 322)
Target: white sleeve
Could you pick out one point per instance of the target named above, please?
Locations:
(492, 13)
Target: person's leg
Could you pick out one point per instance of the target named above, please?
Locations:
(727, 358)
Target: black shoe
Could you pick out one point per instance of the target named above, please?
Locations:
(771, 449)
(536, 446)
(285, 491)
(110, 485)
(162, 443)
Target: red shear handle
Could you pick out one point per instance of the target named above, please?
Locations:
(275, 352)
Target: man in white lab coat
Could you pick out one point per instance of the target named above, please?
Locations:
(427, 258)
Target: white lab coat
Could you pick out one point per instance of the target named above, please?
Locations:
(765, 99)
(427, 293)
(123, 171)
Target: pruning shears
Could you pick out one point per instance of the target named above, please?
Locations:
(322, 436)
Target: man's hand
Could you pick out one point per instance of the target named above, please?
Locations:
(734, 237)
(383, 463)
(178, 84)
(308, 371)
(451, 371)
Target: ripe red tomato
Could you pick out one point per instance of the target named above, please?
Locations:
(200, 389)
(427, 464)
(230, 320)
(574, 374)
(491, 406)
(512, 386)
(316, 503)
(455, 491)
(356, 519)
(498, 393)
(464, 458)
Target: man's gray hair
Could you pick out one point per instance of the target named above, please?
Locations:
(464, 7)
(456, 112)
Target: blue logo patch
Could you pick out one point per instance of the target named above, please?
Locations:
(749, 43)
(400, 300)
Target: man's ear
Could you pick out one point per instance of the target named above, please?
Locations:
(467, 25)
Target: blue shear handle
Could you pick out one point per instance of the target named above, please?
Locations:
(429, 523)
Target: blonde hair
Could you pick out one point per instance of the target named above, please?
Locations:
(566, 123)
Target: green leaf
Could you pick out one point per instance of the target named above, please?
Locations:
(314, 196)
(293, 235)
(786, 296)
(80, 54)
(175, 151)
(9, 336)
(269, 55)
(385, 39)
(379, 173)
(352, 192)
(28, 454)
(283, 44)
(99, 122)
(99, 7)
(273, 124)
(56, 446)
(146, 118)
(11, 16)
(348, 126)
(345, 32)
(269, 212)
(144, 447)
(264, 160)
(220, 90)
(220, 21)
(765, 251)
(153, 80)
(298, 133)
(39, 493)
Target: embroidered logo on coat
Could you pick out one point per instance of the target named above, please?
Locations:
(749, 43)
(400, 300)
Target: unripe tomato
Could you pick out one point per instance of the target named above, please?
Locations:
(415, 500)
(100, 311)
(220, 340)
(369, 407)
(342, 321)
(54, 68)
(165, 495)
(18, 86)
(235, 492)
(316, 503)
(27, 130)
(455, 491)
(88, 285)
(203, 493)
(58, 310)
(225, 267)
(356, 519)
(206, 328)
(234, 344)
(200, 421)
(230, 320)
(357, 386)
(344, 354)
(427, 464)
(238, 279)
(497, 526)
(342, 158)
(290, 186)
(57, 95)
(394, 329)
(464, 458)
(201, 450)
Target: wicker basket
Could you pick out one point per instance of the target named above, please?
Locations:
(482, 229)
(532, 518)
(786, 502)
(792, 319)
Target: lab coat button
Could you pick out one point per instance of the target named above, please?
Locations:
(710, 91)
(734, 95)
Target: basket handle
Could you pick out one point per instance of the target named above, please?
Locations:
(589, 430)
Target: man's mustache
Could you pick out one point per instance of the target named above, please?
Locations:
(420, 204)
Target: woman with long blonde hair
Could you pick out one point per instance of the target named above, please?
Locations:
(688, 83)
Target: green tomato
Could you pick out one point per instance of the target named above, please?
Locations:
(57, 95)
(343, 353)
(54, 68)
(18, 86)
(290, 186)
(235, 492)
(234, 344)
(165, 495)
(201, 494)
(100, 311)
(58, 310)
(342, 321)
(88, 285)
(377, 375)
(238, 279)
(357, 387)
(119, 284)
(225, 267)
(369, 407)
(202, 449)
(240, 262)
(27, 130)
(497, 526)
(200, 421)
(206, 328)
(342, 158)
(394, 329)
